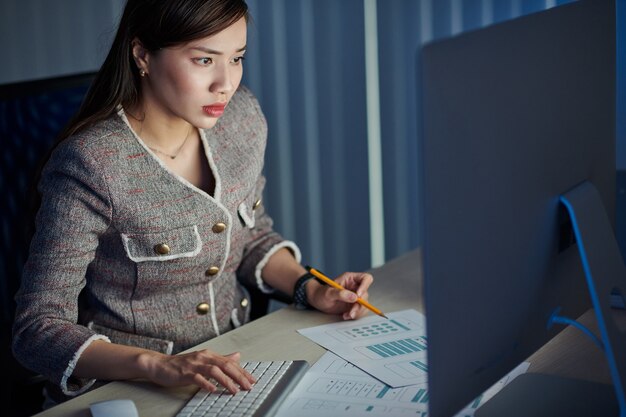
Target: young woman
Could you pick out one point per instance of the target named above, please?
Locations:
(150, 213)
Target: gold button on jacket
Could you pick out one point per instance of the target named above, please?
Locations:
(212, 271)
(202, 308)
(244, 302)
(162, 249)
(219, 227)
(256, 204)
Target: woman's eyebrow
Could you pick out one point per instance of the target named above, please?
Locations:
(213, 51)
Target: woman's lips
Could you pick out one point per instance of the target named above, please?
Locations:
(214, 110)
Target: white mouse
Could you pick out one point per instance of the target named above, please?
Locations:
(114, 408)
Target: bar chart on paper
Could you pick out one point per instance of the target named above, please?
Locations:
(393, 351)
(335, 387)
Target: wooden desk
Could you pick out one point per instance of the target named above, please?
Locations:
(397, 286)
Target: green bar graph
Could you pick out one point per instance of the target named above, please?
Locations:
(397, 347)
(400, 325)
(418, 396)
(420, 365)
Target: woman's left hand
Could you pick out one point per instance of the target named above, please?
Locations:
(333, 301)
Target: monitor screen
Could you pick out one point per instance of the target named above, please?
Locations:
(513, 115)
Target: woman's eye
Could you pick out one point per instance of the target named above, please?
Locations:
(239, 59)
(204, 61)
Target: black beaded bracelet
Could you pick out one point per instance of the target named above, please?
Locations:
(299, 292)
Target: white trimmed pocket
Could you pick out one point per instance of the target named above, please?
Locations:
(184, 242)
(247, 214)
(131, 339)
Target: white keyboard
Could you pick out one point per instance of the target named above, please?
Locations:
(275, 380)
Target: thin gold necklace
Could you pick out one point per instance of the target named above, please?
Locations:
(175, 154)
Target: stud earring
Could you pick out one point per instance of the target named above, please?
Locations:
(142, 72)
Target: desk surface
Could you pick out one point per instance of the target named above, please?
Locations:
(397, 286)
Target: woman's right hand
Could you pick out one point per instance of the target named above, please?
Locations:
(111, 361)
(197, 368)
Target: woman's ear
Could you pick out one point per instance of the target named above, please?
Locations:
(140, 55)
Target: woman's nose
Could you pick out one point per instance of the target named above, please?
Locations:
(223, 81)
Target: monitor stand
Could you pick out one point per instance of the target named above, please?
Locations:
(539, 395)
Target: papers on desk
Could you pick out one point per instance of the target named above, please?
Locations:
(393, 351)
(334, 387)
(375, 367)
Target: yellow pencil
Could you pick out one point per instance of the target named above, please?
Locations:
(333, 284)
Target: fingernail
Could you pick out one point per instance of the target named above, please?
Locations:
(352, 314)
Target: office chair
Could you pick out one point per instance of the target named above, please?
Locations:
(32, 113)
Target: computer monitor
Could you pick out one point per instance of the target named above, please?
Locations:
(513, 116)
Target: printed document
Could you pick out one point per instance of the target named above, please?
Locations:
(334, 387)
(392, 350)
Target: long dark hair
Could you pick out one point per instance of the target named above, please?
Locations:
(157, 24)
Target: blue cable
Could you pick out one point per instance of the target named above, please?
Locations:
(555, 318)
(608, 349)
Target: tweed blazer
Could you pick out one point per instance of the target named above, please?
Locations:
(129, 252)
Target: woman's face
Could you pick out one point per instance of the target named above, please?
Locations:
(196, 80)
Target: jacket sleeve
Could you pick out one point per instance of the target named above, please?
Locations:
(263, 244)
(75, 210)
(264, 241)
